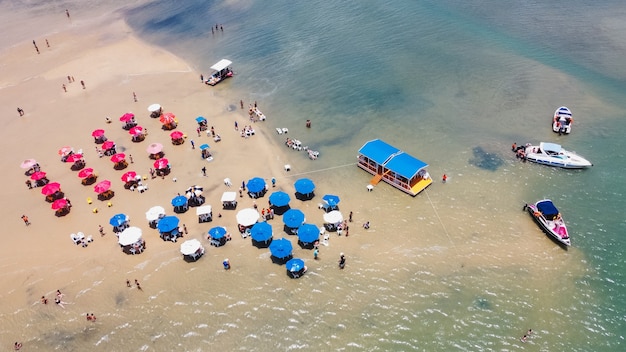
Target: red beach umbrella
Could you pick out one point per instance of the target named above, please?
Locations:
(51, 188)
(155, 148)
(167, 118)
(129, 176)
(65, 151)
(28, 163)
(97, 133)
(74, 158)
(59, 204)
(108, 145)
(161, 163)
(116, 158)
(36, 176)
(127, 117)
(84, 173)
(176, 135)
(135, 131)
(102, 186)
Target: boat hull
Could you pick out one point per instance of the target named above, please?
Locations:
(547, 226)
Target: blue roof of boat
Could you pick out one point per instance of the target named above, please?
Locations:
(392, 158)
(546, 207)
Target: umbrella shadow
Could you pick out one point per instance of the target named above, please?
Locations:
(57, 195)
(306, 245)
(89, 180)
(281, 261)
(106, 195)
(157, 156)
(121, 165)
(304, 197)
(280, 210)
(138, 138)
(77, 166)
(290, 230)
(62, 212)
(261, 244)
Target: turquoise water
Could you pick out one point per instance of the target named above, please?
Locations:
(460, 267)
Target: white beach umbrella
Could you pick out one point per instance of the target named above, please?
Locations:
(247, 217)
(333, 217)
(190, 247)
(155, 213)
(129, 236)
(154, 107)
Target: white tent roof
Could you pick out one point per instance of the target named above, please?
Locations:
(229, 196)
(205, 209)
(190, 247)
(222, 64)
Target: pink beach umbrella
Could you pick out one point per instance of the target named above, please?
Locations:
(97, 133)
(36, 176)
(136, 131)
(161, 164)
(102, 186)
(28, 163)
(65, 150)
(129, 176)
(127, 117)
(51, 188)
(108, 145)
(155, 148)
(74, 158)
(167, 118)
(119, 157)
(59, 204)
(84, 173)
(176, 135)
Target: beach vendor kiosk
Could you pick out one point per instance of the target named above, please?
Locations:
(204, 213)
(229, 200)
(221, 71)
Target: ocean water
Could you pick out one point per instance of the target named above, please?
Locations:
(460, 266)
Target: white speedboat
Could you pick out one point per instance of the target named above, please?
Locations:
(547, 216)
(562, 121)
(552, 154)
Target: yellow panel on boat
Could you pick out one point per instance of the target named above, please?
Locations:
(421, 185)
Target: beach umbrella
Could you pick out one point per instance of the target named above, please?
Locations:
(84, 173)
(36, 176)
(74, 158)
(127, 117)
(118, 220)
(256, 185)
(176, 135)
(200, 119)
(218, 232)
(108, 145)
(154, 107)
(97, 133)
(308, 233)
(136, 130)
(155, 213)
(102, 186)
(304, 186)
(129, 236)
(168, 223)
(28, 163)
(281, 248)
(179, 201)
(331, 199)
(167, 118)
(129, 176)
(161, 163)
(293, 218)
(51, 188)
(155, 148)
(294, 265)
(204, 146)
(279, 199)
(333, 217)
(261, 232)
(118, 157)
(65, 150)
(247, 217)
(59, 204)
(190, 247)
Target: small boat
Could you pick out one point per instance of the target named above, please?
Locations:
(221, 71)
(562, 121)
(547, 216)
(552, 154)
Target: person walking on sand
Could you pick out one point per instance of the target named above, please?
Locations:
(25, 219)
(47, 44)
(444, 178)
(137, 284)
(67, 12)
(316, 253)
(193, 145)
(204, 171)
(20, 111)
(130, 157)
(226, 264)
(350, 217)
(127, 283)
(82, 83)
(101, 230)
(185, 229)
(64, 88)
(60, 303)
(342, 261)
(135, 97)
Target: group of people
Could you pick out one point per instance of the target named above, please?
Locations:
(520, 151)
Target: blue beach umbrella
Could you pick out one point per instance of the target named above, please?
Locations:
(308, 233)
(279, 199)
(179, 201)
(256, 185)
(204, 146)
(281, 248)
(200, 119)
(304, 186)
(331, 199)
(118, 220)
(261, 231)
(167, 224)
(295, 264)
(293, 218)
(217, 232)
